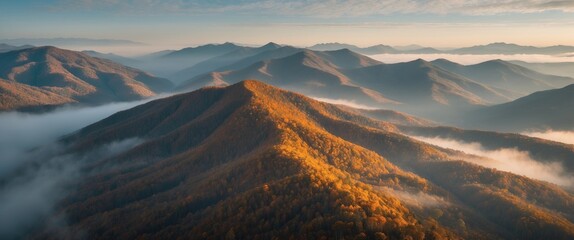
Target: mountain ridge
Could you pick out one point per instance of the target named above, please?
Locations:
(550, 109)
(74, 76)
(299, 152)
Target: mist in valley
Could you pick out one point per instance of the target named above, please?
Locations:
(566, 137)
(22, 132)
(34, 172)
(506, 159)
(468, 59)
(416, 199)
(345, 102)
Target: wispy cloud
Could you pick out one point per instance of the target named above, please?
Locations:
(345, 102)
(325, 8)
(416, 199)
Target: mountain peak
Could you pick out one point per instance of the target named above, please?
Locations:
(494, 62)
(271, 45)
(251, 84)
(442, 62)
(501, 44)
(342, 51)
(46, 49)
(227, 44)
(420, 61)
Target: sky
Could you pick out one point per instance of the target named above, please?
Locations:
(434, 23)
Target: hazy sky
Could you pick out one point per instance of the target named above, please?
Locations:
(437, 23)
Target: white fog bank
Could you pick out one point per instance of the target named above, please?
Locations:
(566, 137)
(507, 159)
(467, 59)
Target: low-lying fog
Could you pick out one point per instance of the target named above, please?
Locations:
(344, 102)
(22, 132)
(566, 137)
(507, 159)
(467, 59)
(31, 194)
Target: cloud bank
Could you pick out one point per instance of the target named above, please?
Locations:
(33, 175)
(22, 132)
(507, 159)
(30, 197)
(566, 137)
(321, 8)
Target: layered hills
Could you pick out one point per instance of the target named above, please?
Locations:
(313, 73)
(491, 48)
(253, 161)
(165, 63)
(417, 87)
(7, 47)
(560, 69)
(43, 76)
(510, 48)
(238, 55)
(550, 109)
(439, 90)
(113, 57)
(506, 75)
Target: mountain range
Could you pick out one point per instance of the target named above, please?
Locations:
(166, 63)
(492, 48)
(113, 57)
(7, 48)
(550, 109)
(180, 65)
(46, 76)
(252, 161)
(241, 55)
(565, 69)
(510, 48)
(436, 90)
(506, 75)
(441, 90)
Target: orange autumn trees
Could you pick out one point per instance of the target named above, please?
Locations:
(251, 161)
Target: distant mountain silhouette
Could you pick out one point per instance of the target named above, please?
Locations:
(551, 109)
(215, 63)
(422, 86)
(113, 57)
(7, 48)
(376, 49)
(166, 63)
(41, 76)
(565, 69)
(417, 87)
(492, 48)
(252, 161)
(510, 48)
(313, 73)
(203, 51)
(424, 50)
(505, 75)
